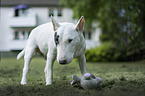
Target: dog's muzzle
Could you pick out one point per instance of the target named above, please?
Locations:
(62, 62)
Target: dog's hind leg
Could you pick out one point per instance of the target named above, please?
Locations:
(29, 52)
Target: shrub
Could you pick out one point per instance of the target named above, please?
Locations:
(108, 52)
(100, 53)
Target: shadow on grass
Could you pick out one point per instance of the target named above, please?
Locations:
(5, 72)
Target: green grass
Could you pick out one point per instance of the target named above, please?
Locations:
(119, 79)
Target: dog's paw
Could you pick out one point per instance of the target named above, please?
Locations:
(23, 83)
(48, 84)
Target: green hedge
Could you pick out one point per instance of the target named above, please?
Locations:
(108, 52)
(101, 53)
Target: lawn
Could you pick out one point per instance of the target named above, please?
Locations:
(119, 79)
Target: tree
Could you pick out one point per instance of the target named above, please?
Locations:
(122, 22)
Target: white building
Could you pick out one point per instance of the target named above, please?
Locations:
(19, 17)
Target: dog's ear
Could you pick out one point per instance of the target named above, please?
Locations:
(80, 24)
(56, 25)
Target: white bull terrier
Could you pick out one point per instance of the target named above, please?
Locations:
(62, 40)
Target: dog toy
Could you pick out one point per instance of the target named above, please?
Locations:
(87, 81)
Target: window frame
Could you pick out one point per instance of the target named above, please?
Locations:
(51, 12)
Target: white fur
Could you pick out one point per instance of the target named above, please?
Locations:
(42, 40)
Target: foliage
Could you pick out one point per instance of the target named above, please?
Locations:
(119, 79)
(122, 22)
(108, 52)
(82, 8)
(104, 37)
(100, 54)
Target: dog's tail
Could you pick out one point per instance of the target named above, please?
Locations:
(20, 54)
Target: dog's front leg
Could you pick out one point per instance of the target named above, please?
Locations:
(49, 67)
(82, 64)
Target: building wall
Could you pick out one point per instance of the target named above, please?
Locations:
(5, 30)
(7, 41)
(96, 34)
(43, 14)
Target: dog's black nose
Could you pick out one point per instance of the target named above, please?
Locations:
(62, 61)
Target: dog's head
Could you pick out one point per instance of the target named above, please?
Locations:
(67, 39)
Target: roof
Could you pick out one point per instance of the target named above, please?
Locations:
(30, 2)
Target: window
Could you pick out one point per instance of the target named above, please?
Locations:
(51, 12)
(16, 35)
(59, 13)
(16, 12)
(21, 35)
(87, 35)
(55, 12)
(21, 10)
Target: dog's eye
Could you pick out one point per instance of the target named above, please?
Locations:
(56, 38)
(70, 40)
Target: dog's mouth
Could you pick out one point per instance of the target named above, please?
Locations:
(63, 62)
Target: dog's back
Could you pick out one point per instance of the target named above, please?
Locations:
(39, 38)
